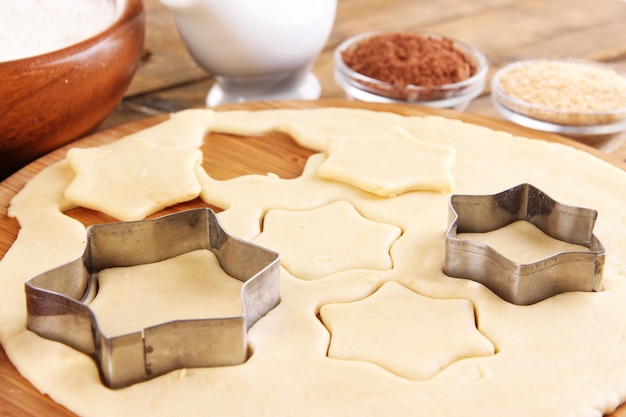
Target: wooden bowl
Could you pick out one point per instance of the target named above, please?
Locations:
(51, 99)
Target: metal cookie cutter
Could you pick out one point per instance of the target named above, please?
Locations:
(517, 283)
(57, 300)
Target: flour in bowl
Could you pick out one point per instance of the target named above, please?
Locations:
(34, 27)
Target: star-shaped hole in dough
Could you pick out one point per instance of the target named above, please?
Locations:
(133, 179)
(390, 164)
(330, 239)
(410, 335)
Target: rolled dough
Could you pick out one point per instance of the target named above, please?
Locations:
(565, 354)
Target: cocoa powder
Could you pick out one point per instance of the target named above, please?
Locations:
(405, 59)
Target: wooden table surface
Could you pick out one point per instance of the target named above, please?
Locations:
(504, 30)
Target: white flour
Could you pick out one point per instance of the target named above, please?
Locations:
(33, 27)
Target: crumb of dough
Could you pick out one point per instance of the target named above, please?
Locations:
(389, 164)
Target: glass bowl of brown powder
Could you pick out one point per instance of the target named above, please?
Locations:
(410, 67)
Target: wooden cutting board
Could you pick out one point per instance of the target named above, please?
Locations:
(229, 157)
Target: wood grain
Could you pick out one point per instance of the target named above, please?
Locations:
(229, 156)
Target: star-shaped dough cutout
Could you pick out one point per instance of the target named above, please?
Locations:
(330, 239)
(133, 179)
(390, 164)
(408, 334)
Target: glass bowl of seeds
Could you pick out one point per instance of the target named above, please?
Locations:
(569, 97)
(410, 67)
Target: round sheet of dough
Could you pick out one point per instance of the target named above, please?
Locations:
(565, 353)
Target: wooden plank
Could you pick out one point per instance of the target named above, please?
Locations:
(535, 29)
(356, 16)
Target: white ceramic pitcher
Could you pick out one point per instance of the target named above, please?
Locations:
(257, 49)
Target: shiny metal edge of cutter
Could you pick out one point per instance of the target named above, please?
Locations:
(57, 300)
(523, 284)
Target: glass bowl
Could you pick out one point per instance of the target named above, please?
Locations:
(559, 118)
(454, 95)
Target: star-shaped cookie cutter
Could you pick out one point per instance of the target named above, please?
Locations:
(58, 300)
(517, 283)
